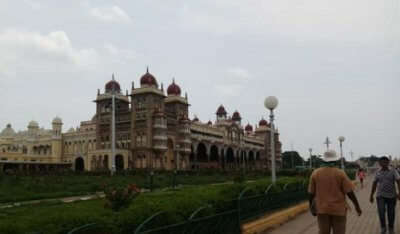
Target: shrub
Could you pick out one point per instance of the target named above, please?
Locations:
(120, 198)
(351, 173)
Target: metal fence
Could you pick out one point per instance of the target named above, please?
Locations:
(246, 207)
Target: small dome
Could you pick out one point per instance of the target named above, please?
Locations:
(195, 119)
(236, 116)
(248, 128)
(71, 129)
(221, 110)
(112, 85)
(174, 89)
(148, 79)
(57, 120)
(183, 117)
(209, 122)
(263, 122)
(33, 124)
(8, 131)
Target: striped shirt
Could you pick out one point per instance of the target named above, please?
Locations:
(386, 183)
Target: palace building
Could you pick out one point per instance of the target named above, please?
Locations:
(152, 130)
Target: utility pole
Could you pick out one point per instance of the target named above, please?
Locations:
(327, 143)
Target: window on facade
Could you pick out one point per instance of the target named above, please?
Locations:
(138, 140)
(144, 140)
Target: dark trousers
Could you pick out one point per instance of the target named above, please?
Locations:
(326, 223)
(388, 204)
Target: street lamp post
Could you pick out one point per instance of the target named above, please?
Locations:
(177, 157)
(271, 103)
(113, 169)
(151, 179)
(310, 150)
(341, 140)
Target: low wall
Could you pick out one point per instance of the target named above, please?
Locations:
(274, 220)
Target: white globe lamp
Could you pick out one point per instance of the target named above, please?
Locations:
(271, 102)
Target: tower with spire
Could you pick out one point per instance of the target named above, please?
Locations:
(103, 114)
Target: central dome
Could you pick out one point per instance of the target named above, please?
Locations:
(263, 122)
(112, 85)
(221, 110)
(236, 116)
(248, 128)
(33, 124)
(57, 120)
(148, 80)
(174, 89)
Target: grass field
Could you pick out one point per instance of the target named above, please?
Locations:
(58, 217)
(17, 188)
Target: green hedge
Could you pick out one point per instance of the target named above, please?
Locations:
(59, 218)
(15, 188)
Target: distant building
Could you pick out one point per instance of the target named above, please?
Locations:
(152, 131)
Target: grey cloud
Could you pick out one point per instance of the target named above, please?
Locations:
(332, 64)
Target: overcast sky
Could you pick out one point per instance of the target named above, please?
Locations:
(334, 65)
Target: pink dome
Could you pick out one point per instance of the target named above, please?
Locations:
(263, 122)
(174, 89)
(236, 116)
(248, 128)
(221, 110)
(112, 85)
(148, 79)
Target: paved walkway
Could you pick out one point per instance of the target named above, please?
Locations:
(368, 223)
(61, 199)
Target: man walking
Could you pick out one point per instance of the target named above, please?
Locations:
(328, 189)
(386, 196)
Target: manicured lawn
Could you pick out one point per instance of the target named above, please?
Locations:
(22, 188)
(59, 218)
(17, 188)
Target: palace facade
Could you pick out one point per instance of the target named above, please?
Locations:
(152, 130)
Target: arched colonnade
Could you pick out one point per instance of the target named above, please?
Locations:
(214, 155)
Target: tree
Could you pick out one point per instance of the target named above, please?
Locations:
(370, 161)
(316, 161)
(291, 159)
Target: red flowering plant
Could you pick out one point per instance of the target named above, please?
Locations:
(118, 198)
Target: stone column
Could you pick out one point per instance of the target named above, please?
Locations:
(196, 145)
(208, 150)
(126, 160)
